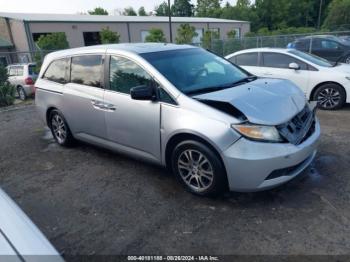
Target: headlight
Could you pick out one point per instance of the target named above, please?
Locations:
(257, 132)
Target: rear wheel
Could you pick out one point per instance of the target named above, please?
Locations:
(21, 93)
(59, 129)
(330, 96)
(198, 168)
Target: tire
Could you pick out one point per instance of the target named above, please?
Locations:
(330, 96)
(60, 129)
(190, 159)
(21, 93)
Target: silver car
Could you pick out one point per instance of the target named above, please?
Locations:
(20, 239)
(212, 123)
(22, 77)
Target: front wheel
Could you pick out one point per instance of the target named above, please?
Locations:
(330, 96)
(59, 129)
(198, 168)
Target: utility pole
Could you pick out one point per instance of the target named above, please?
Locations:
(319, 15)
(170, 27)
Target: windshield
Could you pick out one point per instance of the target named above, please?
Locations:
(194, 70)
(311, 58)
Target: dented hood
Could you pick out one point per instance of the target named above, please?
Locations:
(263, 101)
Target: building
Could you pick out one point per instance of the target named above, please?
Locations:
(21, 30)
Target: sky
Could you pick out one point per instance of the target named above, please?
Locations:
(75, 6)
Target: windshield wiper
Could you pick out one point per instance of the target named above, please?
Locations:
(221, 87)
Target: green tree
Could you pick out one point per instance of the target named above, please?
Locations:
(162, 9)
(231, 34)
(109, 37)
(208, 8)
(156, 35)
(142, 11)
(53, 41)
(98, 11)
(129, 11)
(208, 38)
(182, 8)
(7, 91)
(185, 34)
(48, 43)
(338, 14)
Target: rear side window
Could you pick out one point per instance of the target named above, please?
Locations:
(19, 71)
(126, 74)
(249, 59)
(277, 60)
(12, 71)
(57, 71)
(303, 45)
(87, 70)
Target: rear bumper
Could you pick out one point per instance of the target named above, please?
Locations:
(255, 166)
(29, 89)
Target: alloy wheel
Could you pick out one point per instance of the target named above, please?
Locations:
(328, 98)
(195, 170)
(59, 128)
(21, 94)
(347, 60)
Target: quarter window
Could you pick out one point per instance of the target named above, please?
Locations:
(249, 59)
(281, 61)
(57, 71)
(126, 74)
(87, 70)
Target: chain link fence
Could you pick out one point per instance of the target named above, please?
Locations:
(225, 47)
(220, 47)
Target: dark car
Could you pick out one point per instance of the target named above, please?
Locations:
(329, 47)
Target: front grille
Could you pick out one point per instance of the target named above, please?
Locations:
(299, 128)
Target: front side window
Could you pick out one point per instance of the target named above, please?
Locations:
(87, 70)
(326, 44)
(277, 60)
(126, 74)
(311, 58)
(195, 70)
(249, 59)
(57, 71)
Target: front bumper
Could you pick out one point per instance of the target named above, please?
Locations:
(255, 166)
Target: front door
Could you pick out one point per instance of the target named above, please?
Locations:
(276, 65)
(132, 124)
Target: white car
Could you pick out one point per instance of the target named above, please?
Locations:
(20, 239)
(320, 80)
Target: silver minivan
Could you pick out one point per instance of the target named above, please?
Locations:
(210, 122)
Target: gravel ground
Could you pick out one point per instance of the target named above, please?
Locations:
(88, 200)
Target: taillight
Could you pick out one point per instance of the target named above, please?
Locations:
(29, 81)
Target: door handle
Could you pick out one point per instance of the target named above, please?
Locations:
(102, 106)
(97, 104)
(110, 107)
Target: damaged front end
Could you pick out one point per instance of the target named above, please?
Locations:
(294, 131)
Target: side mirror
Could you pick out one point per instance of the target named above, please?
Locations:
(294, 66)
(143, 93)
